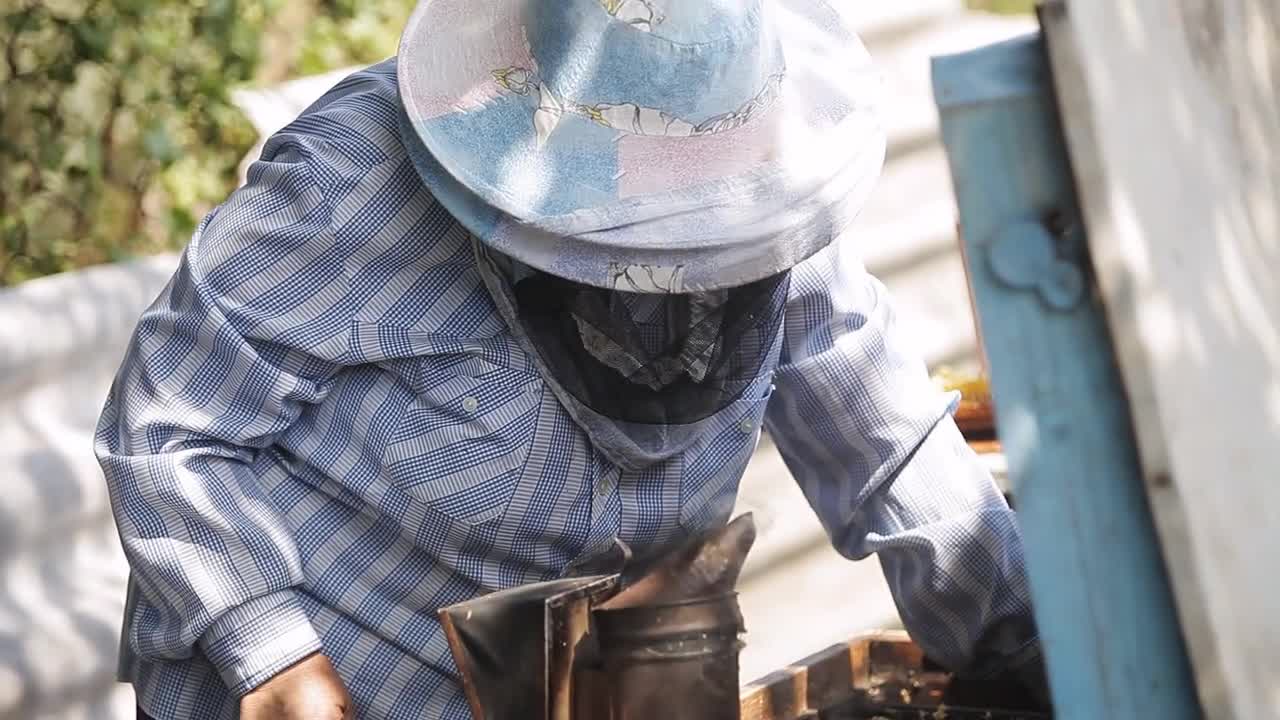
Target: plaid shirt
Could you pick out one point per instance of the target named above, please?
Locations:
(323, 431)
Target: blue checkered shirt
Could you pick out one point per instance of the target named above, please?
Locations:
(323, 431)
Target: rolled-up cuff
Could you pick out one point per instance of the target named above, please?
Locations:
(251, 643)
(952, 554)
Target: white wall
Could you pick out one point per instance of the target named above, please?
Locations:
(63, 572)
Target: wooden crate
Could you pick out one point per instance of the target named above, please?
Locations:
(876, 675)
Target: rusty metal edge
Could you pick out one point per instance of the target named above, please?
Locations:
(460, 655)
(568, 619)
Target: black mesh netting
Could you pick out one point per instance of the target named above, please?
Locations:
(648, 358)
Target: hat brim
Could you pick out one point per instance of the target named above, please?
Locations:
(600, 206)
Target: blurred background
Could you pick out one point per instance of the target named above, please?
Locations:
(123, 121)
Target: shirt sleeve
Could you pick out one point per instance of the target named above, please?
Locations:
(872, 444)
(247, 335)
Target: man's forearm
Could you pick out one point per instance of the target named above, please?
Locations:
(951, 552)
(213, 566)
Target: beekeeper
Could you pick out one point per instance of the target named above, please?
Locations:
(516, 305)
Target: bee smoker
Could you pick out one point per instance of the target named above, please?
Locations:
(659, 641)
(676, 661)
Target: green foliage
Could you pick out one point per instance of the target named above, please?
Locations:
(117, 132)
(347, 31)
(1008, 7)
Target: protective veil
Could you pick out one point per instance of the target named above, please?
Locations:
(641, 373)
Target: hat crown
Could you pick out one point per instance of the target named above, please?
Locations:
(691, 59)
(607, 140)
(693, 22)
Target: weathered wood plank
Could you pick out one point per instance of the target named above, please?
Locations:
(1102, 599)
(825, 679)
(1172, 113)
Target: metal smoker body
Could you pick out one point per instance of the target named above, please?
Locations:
(659, 641)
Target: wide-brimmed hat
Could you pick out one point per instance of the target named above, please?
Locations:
(643, 145)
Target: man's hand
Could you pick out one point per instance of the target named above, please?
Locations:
(309, 690)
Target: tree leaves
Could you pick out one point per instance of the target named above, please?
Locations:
(102, 99)
(117, 131)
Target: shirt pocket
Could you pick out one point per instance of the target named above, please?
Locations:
(462, 443)
(709, 486)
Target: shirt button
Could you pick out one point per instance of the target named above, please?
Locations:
(470, 404)
(747, 426)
